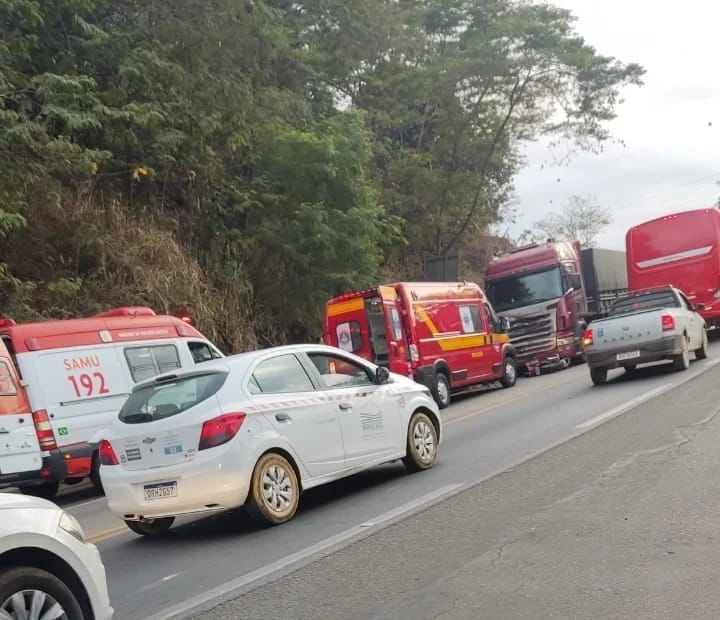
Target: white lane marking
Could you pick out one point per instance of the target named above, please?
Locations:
(155, 584)
(638, 400)
(359, 531)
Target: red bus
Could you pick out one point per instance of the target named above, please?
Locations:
(679, 250)
(445, 335)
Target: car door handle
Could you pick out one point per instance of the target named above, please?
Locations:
(345, 406)
(283, 417)
(4, 431)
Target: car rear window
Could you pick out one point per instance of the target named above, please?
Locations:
(645, 301)
(168, 398)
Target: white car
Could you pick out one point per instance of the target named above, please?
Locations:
(46, 568)
(256, 430)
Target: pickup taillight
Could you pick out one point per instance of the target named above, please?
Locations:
(587, 339)
(668, 322)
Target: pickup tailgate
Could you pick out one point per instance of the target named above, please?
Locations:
(625, 331)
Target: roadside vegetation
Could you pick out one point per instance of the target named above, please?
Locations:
(247, 159)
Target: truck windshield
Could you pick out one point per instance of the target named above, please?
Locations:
(525, 290)
(645, 301)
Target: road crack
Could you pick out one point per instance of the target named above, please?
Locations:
(500, 551)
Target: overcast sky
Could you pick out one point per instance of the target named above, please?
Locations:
(672, 158)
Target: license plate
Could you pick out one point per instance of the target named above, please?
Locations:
(630, 355)
(161, 490)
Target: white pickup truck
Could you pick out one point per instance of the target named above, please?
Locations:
(648, 326)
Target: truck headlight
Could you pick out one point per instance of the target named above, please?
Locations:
(70, 525)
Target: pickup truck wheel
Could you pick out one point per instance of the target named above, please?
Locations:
(598, 375)
(682, 361)
(702, 353)
(509, 377)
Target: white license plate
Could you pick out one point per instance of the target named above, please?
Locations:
(630, 355)
(161, 490)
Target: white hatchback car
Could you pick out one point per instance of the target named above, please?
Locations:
(46, 568)
(257, 429)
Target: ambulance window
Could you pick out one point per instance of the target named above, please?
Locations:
(471, 320)
(11, 350)
(349, 337)
(280, 375)
(147, 362)
(201, 352)
(7, 385)
(495, 322)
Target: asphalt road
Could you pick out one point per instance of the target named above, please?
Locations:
(211, 560)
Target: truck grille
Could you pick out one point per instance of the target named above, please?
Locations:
(533, 335)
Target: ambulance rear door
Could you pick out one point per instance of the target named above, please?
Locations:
(19, 446)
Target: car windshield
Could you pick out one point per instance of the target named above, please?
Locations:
(525, 290)
(645, 301)
(168, 398)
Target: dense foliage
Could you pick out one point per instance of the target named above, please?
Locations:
(247, 159)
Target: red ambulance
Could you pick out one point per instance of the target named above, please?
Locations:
(62, 383)
(445, 335)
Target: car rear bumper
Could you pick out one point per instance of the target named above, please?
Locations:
(657, 351)
(53, 470)
(203, 485)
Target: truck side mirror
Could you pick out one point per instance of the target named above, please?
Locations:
(505, 324)
(575, 281)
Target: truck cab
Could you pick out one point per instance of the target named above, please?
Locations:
(539, 289)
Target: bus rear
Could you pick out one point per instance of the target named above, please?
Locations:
(679, 250)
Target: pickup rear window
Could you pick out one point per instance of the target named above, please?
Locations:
(645, 301)
(168, 398)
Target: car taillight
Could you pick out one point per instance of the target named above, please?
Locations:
(587, 338)
(107, 454)
(668, 322)
(220, 430)
(44, 431)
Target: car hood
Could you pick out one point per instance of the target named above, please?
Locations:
(15, 500)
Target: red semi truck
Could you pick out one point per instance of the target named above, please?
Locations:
(547, 291)
(682, 250)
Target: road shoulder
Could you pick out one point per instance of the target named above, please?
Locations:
(620, 522)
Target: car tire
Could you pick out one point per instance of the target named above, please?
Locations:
(702, 352)
(46, 490)
(599, 375)
(441, 390)
(682, 361)
(422, 443)
(95, 475)
(156, 527)
(274, 490)
(28, 580)
(509, 378)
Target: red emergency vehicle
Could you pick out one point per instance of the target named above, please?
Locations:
(62, 382)
(445, 335)
(682, 250)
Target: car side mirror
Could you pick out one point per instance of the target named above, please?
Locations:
(505, 324)
(382, 375)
